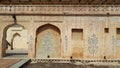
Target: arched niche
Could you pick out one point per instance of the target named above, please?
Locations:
(12, 33)
(48, 43)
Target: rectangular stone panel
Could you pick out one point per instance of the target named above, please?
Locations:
(106, 30)
(75, 0)
(14, 1)
(95, 2)
(83, 1)
(55, 0)
(77, 34)
(34, 0)
(65, 0)
(24, 0)
(117, 2)
(118, 33)
(44, 0)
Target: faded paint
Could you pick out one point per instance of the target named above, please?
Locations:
(48, 42)
(60, 31)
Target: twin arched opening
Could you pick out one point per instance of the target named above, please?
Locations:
(13, 41)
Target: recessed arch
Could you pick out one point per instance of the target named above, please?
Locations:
(48, 41)
(13, 38)
(51, 25)
(5, 42)
(16, 34)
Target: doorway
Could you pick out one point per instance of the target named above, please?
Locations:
(16, 42)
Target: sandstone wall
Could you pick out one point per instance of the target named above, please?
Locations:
(99, 34)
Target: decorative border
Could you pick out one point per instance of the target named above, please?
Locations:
(59, 9)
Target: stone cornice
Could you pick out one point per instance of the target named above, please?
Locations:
(60, 9)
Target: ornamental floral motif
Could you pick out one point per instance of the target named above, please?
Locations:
(93, 47)
(49, 43)
(31, 42)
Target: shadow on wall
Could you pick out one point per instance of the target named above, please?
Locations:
(4, 42)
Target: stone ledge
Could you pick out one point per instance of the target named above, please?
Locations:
(20, 64)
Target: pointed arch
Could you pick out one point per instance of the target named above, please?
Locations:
(16, 34)
(12, 40)
(48, 25)
(4, 41)
(48, 41)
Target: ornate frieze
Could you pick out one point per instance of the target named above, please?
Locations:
(59, 9)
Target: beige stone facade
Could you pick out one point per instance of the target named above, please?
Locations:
(81, 32)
